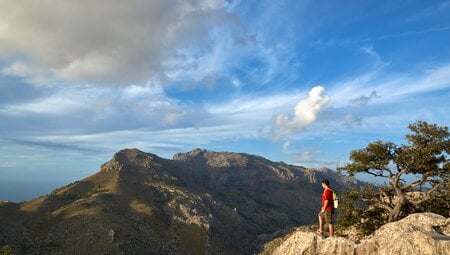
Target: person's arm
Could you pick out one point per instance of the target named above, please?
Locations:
(325, 205)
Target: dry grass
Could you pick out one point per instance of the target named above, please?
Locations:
(141, 207)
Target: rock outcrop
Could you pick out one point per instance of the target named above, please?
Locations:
(424, 234)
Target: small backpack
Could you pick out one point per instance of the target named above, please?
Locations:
(335, 200)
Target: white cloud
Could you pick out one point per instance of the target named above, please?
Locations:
(110, 105)
(8, 164)
(306, 112)
(257, 61)
(30, 74)
(173, 139)
(148, 117)
(53, 105)
(372, 53)
(17, 69)
(305, 157)
(286, 145)
(103, 41)
(390, 87)
(382, 89)
(432, 79)
(254, 103)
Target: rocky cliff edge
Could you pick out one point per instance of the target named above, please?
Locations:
(425, 234)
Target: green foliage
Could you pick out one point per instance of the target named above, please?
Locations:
(424, 157)
(6, 250)
(349, 210)
(374, 158)
(355, 212)
(427, 150)
(438, 203)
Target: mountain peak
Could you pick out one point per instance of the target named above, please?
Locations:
(131, 153)
(214, 159)
(190, 154)
(129, 159)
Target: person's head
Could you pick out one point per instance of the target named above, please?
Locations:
(325, 183)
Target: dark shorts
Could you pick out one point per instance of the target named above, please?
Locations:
(326, 216)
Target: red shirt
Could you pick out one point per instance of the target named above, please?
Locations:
(327, 195)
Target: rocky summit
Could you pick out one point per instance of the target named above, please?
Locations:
(421, 234)
(199, 202)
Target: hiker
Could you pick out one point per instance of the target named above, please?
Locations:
(327, 208)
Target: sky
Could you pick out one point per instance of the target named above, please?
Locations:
(304, 82)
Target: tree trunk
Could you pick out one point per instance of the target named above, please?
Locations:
(400, 201)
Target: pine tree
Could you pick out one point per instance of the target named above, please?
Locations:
(424, 159)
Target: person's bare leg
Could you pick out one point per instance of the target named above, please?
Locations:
(319, 231)
(330, 229)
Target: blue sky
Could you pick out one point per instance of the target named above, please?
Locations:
(303, 82)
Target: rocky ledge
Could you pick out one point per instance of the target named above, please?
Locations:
(425, 234)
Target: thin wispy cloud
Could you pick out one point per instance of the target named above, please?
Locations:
(383, 37)
(103, 105)
(53, 145)
(387, 87)
(299, 156)
(8, 164)
(305, 157)
(350, 120)
(436, 7)
(247, 116)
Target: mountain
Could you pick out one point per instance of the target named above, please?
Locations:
(199, 202)
(422, 233)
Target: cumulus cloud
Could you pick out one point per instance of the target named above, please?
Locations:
(305, 113)
(102, 41)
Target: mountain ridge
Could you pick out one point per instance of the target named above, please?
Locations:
(197, 202)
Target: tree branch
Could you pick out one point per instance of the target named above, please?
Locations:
(378, 200)
(423, 179)
(396, 179)
(385, 206)
(389, 171)
(378, 203)
(427, 195)
(384, 195)
(377, 175)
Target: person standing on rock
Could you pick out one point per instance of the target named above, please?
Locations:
(327, 208)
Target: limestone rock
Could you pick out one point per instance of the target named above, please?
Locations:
(424, 234)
